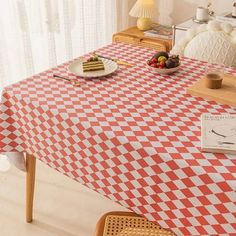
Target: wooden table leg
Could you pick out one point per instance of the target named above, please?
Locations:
(30, 181)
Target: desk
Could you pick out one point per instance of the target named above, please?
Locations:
(132, 136)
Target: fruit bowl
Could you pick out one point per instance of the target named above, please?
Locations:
(164, 71)
(164, 63)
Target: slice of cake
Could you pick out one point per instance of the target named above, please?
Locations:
(93, 64)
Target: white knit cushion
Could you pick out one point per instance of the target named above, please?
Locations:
(212, 46)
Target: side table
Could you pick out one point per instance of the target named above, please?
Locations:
(134, 36)
(179, 30)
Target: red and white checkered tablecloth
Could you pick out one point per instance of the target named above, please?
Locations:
(133, 136)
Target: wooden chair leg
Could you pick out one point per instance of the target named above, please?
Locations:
(30, 182)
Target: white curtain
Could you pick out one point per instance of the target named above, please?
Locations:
(39, 34)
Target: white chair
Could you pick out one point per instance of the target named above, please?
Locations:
(213, 42)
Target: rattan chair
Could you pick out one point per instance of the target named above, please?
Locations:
(128, 224)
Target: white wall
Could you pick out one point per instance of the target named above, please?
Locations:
(176, 11)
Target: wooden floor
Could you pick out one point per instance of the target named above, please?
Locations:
(62, 207)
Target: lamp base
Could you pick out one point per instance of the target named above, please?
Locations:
(144, 23)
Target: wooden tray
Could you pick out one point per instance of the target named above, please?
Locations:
(225, 95)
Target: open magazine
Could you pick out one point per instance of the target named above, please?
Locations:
(159, 31)
(218, 133)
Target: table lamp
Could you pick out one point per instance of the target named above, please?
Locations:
(145, 10)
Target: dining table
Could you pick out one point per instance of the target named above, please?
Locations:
(133, 136)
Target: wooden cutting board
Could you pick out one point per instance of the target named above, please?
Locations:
(225, 95)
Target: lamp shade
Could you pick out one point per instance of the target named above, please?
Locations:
(144, 8)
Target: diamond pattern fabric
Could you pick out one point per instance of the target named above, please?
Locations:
(133, 136)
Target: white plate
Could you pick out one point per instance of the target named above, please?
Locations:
(77, 68)
(200, 21)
